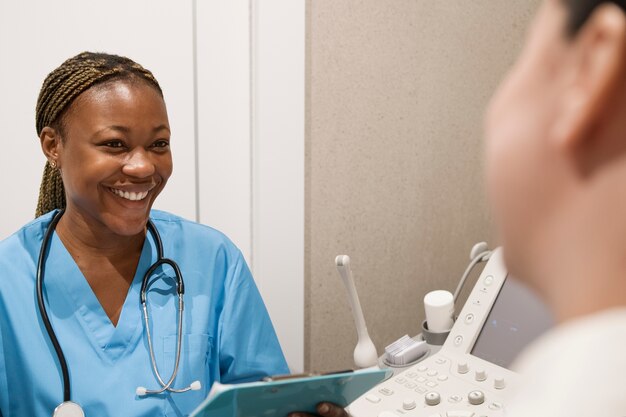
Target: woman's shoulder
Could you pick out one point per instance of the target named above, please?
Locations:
(170, 224)
(28, 237)
(20, 251)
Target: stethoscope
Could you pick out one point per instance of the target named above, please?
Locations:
(69, 408)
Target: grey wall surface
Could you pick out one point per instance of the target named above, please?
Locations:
(396, 91)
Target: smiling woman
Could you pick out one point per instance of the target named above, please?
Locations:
(103, 127)
(113, 147)
(64, 85)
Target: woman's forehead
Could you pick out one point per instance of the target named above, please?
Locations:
(128, 100)
(119, 89)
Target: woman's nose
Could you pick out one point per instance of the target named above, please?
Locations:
(138, 164)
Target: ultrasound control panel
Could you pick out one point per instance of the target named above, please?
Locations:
(470, 375)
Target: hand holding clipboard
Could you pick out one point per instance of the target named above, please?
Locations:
(278, 397)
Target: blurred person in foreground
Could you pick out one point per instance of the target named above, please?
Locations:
(556, 169)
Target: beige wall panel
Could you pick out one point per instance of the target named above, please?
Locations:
(396, 93)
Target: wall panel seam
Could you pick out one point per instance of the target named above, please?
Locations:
(196, 141)
(252, 5)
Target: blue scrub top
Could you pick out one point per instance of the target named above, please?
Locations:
(228, 336)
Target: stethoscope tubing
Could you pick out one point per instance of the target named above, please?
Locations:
(161, 260)
(179, 337)
(43, 253)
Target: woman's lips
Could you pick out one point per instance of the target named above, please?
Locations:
(130, 195)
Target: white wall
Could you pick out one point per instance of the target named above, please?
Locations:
(396, 93)
(251, 143)
(278, 92)
(232, 72)
(224, 137)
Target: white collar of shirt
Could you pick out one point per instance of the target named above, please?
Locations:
(578, 369)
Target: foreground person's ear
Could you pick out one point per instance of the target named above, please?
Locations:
(594, 74)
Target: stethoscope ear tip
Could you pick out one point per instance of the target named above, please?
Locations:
(195, 385)
(141, 391)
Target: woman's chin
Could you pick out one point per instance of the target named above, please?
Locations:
(126, 226)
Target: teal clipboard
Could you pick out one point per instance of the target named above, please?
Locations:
(277, 398)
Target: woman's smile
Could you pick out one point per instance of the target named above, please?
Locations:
(132, 196)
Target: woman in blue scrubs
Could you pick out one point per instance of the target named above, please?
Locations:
(104, 130)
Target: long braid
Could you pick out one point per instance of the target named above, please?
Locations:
(51, 191)
(60, 88)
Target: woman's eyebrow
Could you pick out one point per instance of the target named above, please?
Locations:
(125, 129)
(118, 128)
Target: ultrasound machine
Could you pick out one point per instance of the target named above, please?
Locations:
(468, 373)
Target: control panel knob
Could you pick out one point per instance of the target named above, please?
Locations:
(476, 397)
(408, 404)
(462, 368)
(481, 375)
(499, 383)
(432, 398)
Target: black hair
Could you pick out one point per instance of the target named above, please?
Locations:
(580, 10)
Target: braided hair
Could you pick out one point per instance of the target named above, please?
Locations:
(60, 88)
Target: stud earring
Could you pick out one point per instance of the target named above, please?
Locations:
(53, 164)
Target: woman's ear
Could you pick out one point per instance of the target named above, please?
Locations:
(51, 145)
(596, 72)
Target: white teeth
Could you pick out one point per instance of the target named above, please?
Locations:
(132, 196)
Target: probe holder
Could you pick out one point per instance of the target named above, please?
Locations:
(433, 338)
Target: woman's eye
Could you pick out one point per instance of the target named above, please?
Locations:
(161, 143)
(114, 144)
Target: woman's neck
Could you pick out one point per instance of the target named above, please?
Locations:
(107, 260)
(88, 237)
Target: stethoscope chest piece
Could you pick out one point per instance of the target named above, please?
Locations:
(68, 409)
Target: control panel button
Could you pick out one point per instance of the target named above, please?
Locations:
(499, 383)
(432, 373)
(441, 361)
(420, 379)
(480, 375)
(386, 391)
(400, 380)
(387, 414)
(432, 398)
(431, 384)
(373, 399)
(442, 378)
(459, 413)
(408, 404)
(495, 406)
(458, 340)
(454, 399)
(422, 368)
(476, 397)
(469, 319)
(410, 385)
(421, 390)
(488, 280)
(462, 368)
(411, 374)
